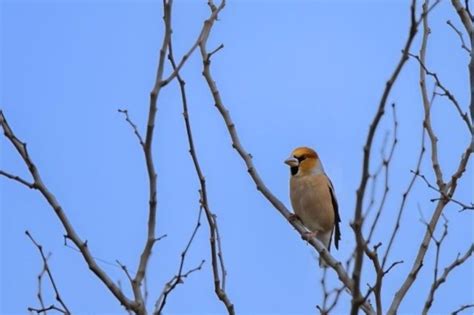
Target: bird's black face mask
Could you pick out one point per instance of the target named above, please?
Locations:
(294, 170)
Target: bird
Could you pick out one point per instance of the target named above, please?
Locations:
(313, 197)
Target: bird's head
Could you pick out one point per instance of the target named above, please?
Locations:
(303, 161)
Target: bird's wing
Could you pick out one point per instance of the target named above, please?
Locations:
(337, 218)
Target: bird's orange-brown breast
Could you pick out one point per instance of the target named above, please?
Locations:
(311, 201)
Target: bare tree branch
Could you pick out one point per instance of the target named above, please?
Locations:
(180, 276)
(438, 281)
(394, 264)
(46, 309)
(204, 31)
(53, 202)
(427, 105)
(64, 309)
(463, 206)
(380, 273)
(39, 293)
(154, 94)
(217, 260)
(464, 16)
(466, 4)
(18, 179)
(130, 278)
(377, 288)
(327, 307)
(125, 270)
(462, 308)
(133, 125)
(170, 285)
(443, 194)
(447, 189)
(360, 195)
(446, 92)
(463, 44)
(138, 304)
(352, 284)
(220, 255)
(466, 19)
(374, 178)
(438, 243)
(405, 197)
(386, 166)
(148, 152)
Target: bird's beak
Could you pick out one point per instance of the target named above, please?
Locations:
(292, 162)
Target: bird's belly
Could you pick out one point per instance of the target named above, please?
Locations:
(312, 207)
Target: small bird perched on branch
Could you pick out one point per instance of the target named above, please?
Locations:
(313, 198)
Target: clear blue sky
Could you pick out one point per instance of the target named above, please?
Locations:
(292, 73)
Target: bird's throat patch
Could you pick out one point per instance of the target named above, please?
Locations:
(294, 170)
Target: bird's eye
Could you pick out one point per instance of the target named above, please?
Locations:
(300, 158)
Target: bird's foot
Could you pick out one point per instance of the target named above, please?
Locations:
(293, 217)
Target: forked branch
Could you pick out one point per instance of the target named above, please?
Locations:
(160, 82)
(217, 260)
(439, 281)
(181, 275)
(64, 309)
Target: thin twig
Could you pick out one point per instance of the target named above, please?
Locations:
(373, 178)
(394, 264)
(220, 255)
(18, 179)
(443, 194)
(170, 285)
(405, 195)
(386, 166)
(39, 294)
(133, 125)
(46, 309)
(125, 270)
(446, 92)
(99, 259)
(326, 308)
(466, 4)
(438, 281)
(380, 273)
(463, 206)
(466, 18)
(178, 278)
(65, 309)
(462, 308)
(463, 44)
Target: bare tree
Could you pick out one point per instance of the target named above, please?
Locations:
(350, 274)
